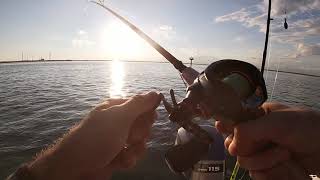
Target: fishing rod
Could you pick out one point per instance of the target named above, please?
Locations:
(269, 19)
(264, 57)
(265, 51)
(173, 60)
(229, 90)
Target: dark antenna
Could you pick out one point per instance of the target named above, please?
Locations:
(265, 51)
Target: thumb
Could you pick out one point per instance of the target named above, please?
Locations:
(141, 104)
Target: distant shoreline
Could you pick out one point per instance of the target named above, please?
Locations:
(70, 60)
(33, 61)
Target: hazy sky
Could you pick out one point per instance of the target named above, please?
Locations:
(207, 29)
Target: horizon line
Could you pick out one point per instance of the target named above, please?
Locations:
(139, 61)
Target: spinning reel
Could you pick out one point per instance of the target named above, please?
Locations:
(230, 91)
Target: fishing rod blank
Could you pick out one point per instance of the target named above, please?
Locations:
(173, 60)
(265, 51)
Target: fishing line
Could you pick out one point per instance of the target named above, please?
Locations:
(285, 8)
(268, 66)
(279, 60)
(275, 80)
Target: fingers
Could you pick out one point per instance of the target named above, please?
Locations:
(286, 171)
(228, 141)
(119, 122)
(141, 127)
(251, 136)
(108, 103)
(226, 126)
(271, 107)
(264, 160)
(141, 104)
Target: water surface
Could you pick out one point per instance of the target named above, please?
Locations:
(40, 101)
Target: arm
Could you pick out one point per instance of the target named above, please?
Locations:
(112, 136)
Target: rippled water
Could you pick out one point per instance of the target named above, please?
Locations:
(40, 101)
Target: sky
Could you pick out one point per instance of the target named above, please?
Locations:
(206, 29)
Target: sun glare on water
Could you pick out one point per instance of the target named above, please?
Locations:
(117, 79)
(119, 42)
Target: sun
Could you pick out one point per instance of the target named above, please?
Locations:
(119, 42)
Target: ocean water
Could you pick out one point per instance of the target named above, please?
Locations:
(39, 102)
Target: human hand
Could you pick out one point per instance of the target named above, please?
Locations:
(285, 138)
(112, 137)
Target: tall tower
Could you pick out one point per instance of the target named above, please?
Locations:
(191, 59)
